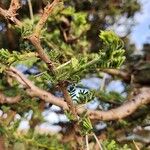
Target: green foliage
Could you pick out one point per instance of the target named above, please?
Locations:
(5, 108)
(112, 54)
(7, 58)
(31, 139)
(28, 26)
(112, 96)
(85, 124)
(82, 97)
(77, 26)
(36, 141)
(112, 145)
(69, 115)
(2, 130)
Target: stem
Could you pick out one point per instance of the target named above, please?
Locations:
(87, 143)
(30, 9)
(69, 101)
(137, 148)
(103, 83)
(63, 65)
(98, 142)
(92, 62)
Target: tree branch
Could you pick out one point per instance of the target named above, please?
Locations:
(34, 37)
(72, 108)
(34, 91)
(142, 97)
(14, 6)
(10, 14)
(68, 99)
(47, 10)
(126, 109)
(8, 100)
(119, 73)
(36, 42)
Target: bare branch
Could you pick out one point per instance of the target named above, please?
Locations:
(119, 73)
(34, 91)
(142, 97)
(47, 10)
(14, 6)
(8, 100)
(68, 99)
(36, 42)
(10, 14)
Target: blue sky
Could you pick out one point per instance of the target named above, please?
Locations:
(141, 31)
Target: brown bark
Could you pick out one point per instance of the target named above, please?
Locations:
(2, 143)
(119, 73)
(9, 100)
(47, 10)
(142, 97)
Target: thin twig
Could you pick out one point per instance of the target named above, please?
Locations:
(10, 14)
(14, 6)
(98, 142)
(103, 83)
(30, 9)
(63, 65)
(119, 73)
(87, 142)
(137, 148)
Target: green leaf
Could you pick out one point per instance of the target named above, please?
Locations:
(74, 63)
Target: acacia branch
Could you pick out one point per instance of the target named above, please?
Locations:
(68, 99)
(76, 128)
(142, 97)
(47, 10)
(34, 37)
(119, 73)
(36, 42)
(126, 109)
(10, 14)
(35, 91)
(14, 6)
(8, 100)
